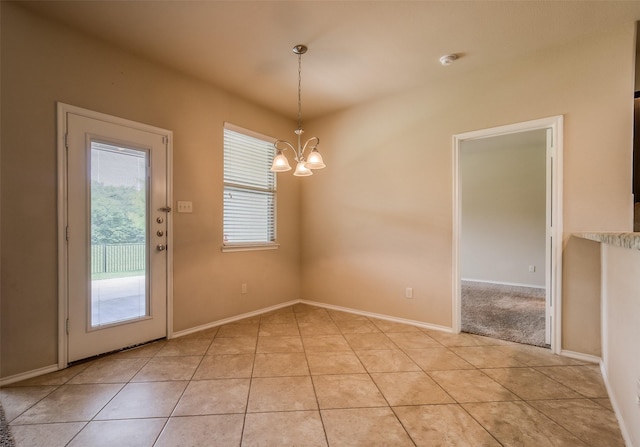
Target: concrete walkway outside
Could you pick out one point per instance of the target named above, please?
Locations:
(118, 299)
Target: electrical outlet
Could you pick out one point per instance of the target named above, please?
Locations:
(408, 292)
(185, 207)
(532, 269)
(243, 288)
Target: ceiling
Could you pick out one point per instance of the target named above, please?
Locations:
(358, 50)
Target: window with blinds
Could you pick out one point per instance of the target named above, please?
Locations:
(249, 190)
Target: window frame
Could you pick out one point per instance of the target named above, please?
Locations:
(253, 245)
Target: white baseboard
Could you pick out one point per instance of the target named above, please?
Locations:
(501, 283)
(311, 303)
(434, 327)
(580, 356)
(232, 319)
(48, 369)
(28, 375)
(53, 368)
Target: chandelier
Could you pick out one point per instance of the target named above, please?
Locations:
(305, 163)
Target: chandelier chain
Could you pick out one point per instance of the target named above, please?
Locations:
(299, 91)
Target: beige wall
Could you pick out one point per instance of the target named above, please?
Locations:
(43, 63)
(581, 315)
(377, 220)
(621, 332)
(380, 217)
(637, 83)
(503, 207)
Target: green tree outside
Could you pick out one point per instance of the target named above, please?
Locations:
(118, 214)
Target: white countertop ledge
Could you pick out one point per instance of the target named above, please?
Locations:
(625, 240)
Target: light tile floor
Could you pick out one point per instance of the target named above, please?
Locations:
(307, 376)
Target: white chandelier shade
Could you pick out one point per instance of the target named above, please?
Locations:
(280, 163)
(302, 170)
(314, 160)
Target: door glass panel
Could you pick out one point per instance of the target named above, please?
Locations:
(119, 206)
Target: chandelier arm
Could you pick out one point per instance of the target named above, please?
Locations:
(286, 143)
(315, 141)
(297, 153)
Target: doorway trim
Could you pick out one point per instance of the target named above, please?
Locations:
(554, 126)
(63, 284)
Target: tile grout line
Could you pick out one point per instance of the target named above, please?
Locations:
(387, 400)
(166, 422)
(455, 401)
(313, 384)
(170, 416)
(253, 366)
(109, 401)
(531, 364)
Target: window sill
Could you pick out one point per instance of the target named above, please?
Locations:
(248, 247)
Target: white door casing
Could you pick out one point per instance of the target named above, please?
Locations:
(79, 131)
(553, 265)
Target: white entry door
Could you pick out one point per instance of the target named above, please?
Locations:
(116, 232)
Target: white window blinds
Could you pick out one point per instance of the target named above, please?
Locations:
(249, 190)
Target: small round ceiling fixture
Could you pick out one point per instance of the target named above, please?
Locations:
(448, 59)
(300, 49)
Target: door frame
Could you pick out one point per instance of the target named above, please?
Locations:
(63, 256)
(554, 238)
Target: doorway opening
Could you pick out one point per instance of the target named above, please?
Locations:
(507, 232)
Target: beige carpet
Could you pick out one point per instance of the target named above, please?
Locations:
(505, 312)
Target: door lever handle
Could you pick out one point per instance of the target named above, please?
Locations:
(166, 209)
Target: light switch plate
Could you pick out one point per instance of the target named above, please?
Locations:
(185, 207)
